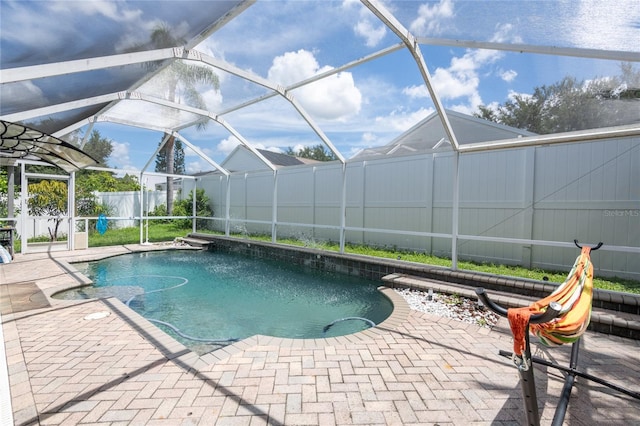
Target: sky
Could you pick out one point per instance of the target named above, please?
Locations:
(366, 105)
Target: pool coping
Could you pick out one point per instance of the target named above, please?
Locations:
(176, 351)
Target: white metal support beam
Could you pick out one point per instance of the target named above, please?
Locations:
(315, 128)
(66, 106)
(632, 130)
(244, 142)
(87, 134)
(254, 78)
(202, 155)
(613, 55)
(317, 77)
(69, 67)
(412, 44)
(12, 75)
(155, 154)
(222, 21)
(137, 96)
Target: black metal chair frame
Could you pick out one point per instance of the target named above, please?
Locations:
(525, 369)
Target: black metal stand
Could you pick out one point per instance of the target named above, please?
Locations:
(527, 380)
(524, 364)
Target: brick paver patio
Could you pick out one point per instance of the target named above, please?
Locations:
(96, 362)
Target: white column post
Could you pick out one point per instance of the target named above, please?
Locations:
(71, 209)
(274, 207)
(343, 207)
(455, 206)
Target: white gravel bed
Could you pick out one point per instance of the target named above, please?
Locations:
(449, 306)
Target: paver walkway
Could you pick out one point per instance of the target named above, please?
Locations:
(96, 362)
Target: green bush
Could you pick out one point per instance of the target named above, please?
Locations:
(184, 207)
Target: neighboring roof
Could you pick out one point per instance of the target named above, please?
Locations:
(280, 160)
(242, 159)
(429, 135)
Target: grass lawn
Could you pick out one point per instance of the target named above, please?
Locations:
(614, 284)
(158, 232)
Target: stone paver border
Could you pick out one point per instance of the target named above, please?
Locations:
(69, 364)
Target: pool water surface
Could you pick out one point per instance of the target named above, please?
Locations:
(209, 299)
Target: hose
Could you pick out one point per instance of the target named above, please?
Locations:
(171, 326)
(368, 321)
(186, 336)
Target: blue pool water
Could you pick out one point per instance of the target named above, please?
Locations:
(207, 300)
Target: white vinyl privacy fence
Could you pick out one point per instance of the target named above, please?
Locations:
(519, 206)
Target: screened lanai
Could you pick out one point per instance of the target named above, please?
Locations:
(352, 77)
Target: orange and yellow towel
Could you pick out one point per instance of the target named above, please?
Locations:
(574, 295)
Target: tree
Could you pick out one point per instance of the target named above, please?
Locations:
(99, 148)
(179, 81)
(90, 181)
(3, 181)
(570, 104)
(4, 194)
(317, 152)
(178, 162)
(48, 198)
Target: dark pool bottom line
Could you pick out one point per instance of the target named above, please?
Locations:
(183, 356)
(208, 340)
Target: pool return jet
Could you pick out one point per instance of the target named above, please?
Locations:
(562, 317)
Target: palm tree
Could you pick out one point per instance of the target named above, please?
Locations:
(180, 81)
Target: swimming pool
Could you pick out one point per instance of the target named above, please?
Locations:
(210, 299)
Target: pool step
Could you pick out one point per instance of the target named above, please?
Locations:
(195, 242)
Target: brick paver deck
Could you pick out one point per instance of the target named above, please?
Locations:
(68, 365)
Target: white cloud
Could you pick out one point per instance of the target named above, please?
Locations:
(385, 128)
(366, 28)
(513, 94)
(106, 8)
(212, 99)
(431, 19)
(403, 120)
(197, 166)
(603, 25)
(508, 75)
(23, 94)
(192, 167)
(119, 157)
(465, 108)
(372, 35)
(227, 145)
(416, 92)
(292, 67)
(137, 29)
(460, 81)
(452, 84)
(333, 98)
